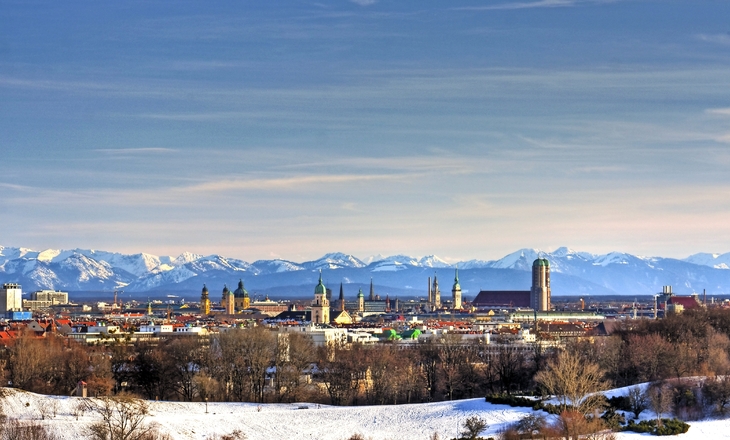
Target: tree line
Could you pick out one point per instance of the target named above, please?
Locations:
(257, 364)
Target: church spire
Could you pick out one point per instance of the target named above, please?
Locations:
(342, 298)
(372, 291)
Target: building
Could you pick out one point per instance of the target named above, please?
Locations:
(320, 305)
(435, 293)
(11, 298)
(269, 307)
(540, 292)
(204, 302)
(537, 298)
(241, 298)
(456, 292)
(229, 301)
(43, 299)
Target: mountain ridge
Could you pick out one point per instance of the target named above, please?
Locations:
(572, 272)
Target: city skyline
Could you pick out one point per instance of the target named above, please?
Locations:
(466, 130)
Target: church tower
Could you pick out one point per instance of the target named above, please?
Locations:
(229, 301)
(540, 292)
(224, 295)
(360, 301)
(342, 299)
(372, 291)
(456, 291)
(436, 293)
(320, 305)
(204, 302)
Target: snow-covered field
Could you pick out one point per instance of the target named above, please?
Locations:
(189, 421)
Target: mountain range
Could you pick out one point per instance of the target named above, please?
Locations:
(572, 273)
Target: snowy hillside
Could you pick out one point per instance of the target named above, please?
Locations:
(189, 421)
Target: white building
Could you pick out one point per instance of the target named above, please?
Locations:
(11, 298)
(45, 298)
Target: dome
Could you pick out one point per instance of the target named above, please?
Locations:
(205, 289)
(541, 262)
(360, 294)
(225, 289)
(319, 288)
(240, 292)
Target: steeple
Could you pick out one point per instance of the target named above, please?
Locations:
(372, 291)
(342, 298)
(436, 292)
(456, 291)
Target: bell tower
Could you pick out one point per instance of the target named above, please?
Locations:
(456, 291)
(320, 305)
(204, 302)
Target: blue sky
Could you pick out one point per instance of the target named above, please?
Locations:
(465, 129)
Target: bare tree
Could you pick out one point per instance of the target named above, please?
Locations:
(122, 418)
(659, 396)
(450, 355)
(574, 381)
(637, 401)
(17, 430)
(716, 392)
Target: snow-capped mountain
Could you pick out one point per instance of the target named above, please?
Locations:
(717, 261)
(573, 272)
(335, 260)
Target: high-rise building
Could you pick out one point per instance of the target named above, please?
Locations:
(11, 298)
(320, 305)
(540, 292)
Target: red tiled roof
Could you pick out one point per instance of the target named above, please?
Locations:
(502, 298)
(687, 302)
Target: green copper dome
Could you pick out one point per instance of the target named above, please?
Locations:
(205, 289)
(240, 292)
(360, 294)
(320, 289)
(541, 262)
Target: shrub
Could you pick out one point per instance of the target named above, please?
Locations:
(668, 427)
(16, 430)
(622, 403)
(612, 419)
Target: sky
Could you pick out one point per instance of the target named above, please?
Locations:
(289, 129)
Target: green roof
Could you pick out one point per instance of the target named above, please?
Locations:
(319, 289)
(541, 262)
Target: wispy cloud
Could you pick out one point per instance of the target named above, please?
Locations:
(364, 2)
(719, 111)
(534, 4)
(134, 151)
(283, 183)
(716, 38)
